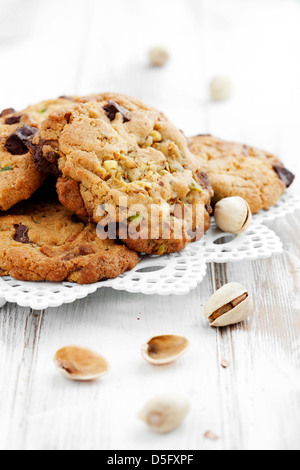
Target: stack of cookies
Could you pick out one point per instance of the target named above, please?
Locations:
(88, 184)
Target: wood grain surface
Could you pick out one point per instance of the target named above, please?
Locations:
(79, 46)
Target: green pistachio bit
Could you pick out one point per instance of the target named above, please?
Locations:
(42, 111)
(176, 166)
(6, 168)
(195, 187)
(161, 250)
(135, 218)
(35, 221)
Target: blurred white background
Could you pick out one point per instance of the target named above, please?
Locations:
(50, 48)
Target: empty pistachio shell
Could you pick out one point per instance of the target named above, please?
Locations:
(233, 215)
(165, 413)
(164, 349)
(80, 364)
(229, 305)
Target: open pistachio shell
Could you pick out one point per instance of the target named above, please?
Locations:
(229, 305)
(161, 350)
(233, 215)
(81, 364)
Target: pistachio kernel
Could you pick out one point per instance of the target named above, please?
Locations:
(196, 187)
(156, 136)
(6, 168)
(110, 165)
(161, 250)
(135, 218)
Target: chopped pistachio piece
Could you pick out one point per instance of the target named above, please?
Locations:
(161, 250)
(135, 218)
(196, 187)
(6, 168)
(156, 136)
(110, 165)
(176, 166)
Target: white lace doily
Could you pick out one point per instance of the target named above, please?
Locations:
(287, 204)
(258, 242)
(171, 274)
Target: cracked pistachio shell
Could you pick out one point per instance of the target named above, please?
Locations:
(161, 350)
(229, 305)
(80, 364)
(165, 413)
(233, 215)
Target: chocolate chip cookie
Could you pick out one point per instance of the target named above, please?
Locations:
(120, 161)
(46, 242)
(19, 177)
(239, 170)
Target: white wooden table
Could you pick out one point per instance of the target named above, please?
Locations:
(80, 46)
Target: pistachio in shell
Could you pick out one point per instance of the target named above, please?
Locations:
(165, 413)
(233, 215)
(229, 305)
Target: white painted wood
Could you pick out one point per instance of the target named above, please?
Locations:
(80, 46)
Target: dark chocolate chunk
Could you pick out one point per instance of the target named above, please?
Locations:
(17, 143)
(21, 234)
(75, 219)
(203, 180)
(63, 97)
(7, 111)
(81, 251)
(208, 209)
(13, 120)
(85, 251)
(46, 164)
(52, 157)
(69, 257)
(113, 108)
(285, 175)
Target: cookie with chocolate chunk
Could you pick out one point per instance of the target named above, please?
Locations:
(19, 176)
(240, 170)
(45, 242)
(121, 161)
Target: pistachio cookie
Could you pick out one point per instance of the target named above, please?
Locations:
(239, 170)
(122, 162)
(19, 177)
(46, 242)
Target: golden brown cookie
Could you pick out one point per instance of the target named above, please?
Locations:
(239, 170)
(46, 242)
(19, 177)
(112, 152)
